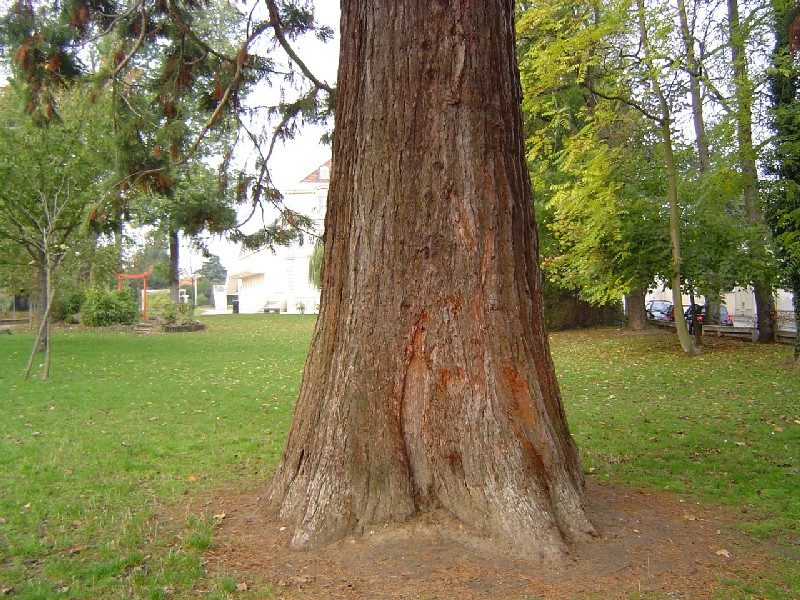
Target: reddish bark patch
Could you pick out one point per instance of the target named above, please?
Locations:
(648, 541)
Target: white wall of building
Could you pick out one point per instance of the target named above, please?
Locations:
(279, 278)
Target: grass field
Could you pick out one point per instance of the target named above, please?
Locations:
(128, 425)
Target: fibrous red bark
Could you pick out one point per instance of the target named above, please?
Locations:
(429, 385)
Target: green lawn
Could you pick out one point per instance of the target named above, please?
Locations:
(129, 424)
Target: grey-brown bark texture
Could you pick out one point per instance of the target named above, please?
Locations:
(429, 385)
(637, 311)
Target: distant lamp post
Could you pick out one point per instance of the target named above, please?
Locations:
(195, 277)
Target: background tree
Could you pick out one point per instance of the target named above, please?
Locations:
(17, 274)
(590, 154)
(213, 271)
(315, 264)
(195, 204)
(783, 200)
(51, 174)
(151, 253)
(744, 98)
(585, 77)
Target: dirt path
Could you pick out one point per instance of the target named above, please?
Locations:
(648, 542)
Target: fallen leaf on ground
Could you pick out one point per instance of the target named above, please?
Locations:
(724, 553)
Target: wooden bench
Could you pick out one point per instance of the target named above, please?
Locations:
(744, 333)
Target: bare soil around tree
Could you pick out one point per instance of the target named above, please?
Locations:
(651, 543)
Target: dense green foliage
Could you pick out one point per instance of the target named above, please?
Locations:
(783, 200)
(130, 425)
(616, 136)
(102, 307)
(213, 271)
(592, 161)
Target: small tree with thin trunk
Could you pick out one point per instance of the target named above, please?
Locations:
(429, 386)
(50, 178)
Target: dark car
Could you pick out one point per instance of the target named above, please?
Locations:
(669, 314)
(702, 317)
(658, 309)
(724, 317)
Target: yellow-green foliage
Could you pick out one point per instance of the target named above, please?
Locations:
(158, 301)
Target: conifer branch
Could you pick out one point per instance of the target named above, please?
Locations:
(275, 21)
(137, 44)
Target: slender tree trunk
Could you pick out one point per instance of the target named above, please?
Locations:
(698, 119)
(174, 262)
(429, 387)
(45, 330)
(637, 312)
(703, 155)
(41, 344)
(41, 301)
(762, 287)
(665, 123)
(796, 307)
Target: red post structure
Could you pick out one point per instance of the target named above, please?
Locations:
(121, 276)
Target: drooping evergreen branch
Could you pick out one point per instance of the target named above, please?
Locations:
(275, 21)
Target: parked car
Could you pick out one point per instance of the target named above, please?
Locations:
(272, 306)
(657, 309)
(668, 314)
(724, 318)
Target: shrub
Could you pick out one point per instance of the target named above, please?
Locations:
(186, 312)
(126, 305)
(67, 304)
(159, 304)
(103, 307)
(158, 301)
(169, 312)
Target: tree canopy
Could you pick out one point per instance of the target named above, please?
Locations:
(52, 175)
(635, 106)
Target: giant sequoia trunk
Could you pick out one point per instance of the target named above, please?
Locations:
(429, 385)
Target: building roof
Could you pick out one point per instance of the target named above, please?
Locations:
(322, 174)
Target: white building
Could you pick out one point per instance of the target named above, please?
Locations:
(278, 281)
